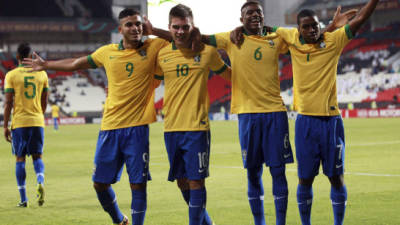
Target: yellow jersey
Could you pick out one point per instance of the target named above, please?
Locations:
(185, 75)
(27, 88)
(255, 72)
(314, 70)
(130, 74)
(54, 111)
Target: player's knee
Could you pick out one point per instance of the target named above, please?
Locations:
(139, 187)
(254, 173)
(278, 171)
(99, 187)
(337, 181)
(182, 184)
(20, 158)
(196, 184)
(306, 182)
(36, 156)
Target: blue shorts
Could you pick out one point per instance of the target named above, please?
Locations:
(264, 138)
(319, 139)
(188, 154)
(27, 141)
(116, 147)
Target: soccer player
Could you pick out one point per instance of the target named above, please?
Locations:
(319, 133)
(26, 96)
(186, 103)
(263, 122)
(129, 108)
(54, 113)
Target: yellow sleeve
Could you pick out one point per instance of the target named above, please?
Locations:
(46, 82)
(158, 73)
(287, 34)
(217, 65)
(220, 40)
(8, 86)
(97, 58)
(342, 36)
(283, 48)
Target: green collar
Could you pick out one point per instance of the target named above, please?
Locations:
(21, 65)
(173, 45)
(121, 45)
(263, 32)
(302, 41)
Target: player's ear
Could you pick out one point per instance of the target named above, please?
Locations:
(120, 29)
(241, 20)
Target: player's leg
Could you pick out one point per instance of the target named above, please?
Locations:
(18, 141)
(277, 153)
(253, 159)
(333, 165)
(255, 193)
(35, 148)
(196, 160)
(197, 202)
(308, 159)
(135, 148)
(108, 168)
(20, 173)
(183, 185)
(55, 123)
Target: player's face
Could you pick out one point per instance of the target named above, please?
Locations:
(180, 29)
(131, 28)
(253, 18)
(310, 29)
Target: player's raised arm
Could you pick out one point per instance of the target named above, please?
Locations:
(362, 16)
(340, 19)
(8, 105)
(72, 64)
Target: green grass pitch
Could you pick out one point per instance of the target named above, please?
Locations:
(372, 178)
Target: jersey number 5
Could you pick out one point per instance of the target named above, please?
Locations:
(27, 83)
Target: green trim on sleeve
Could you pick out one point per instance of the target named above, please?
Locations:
(45, 89)
(91, 62)
(223, 68)
(9, 90)
(274, 29)
(213, 40)
(348, 31)
(158, 77)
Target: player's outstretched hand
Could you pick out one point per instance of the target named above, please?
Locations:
(340, 19)
(7, 134)
(36, 63)
(147, 26)
(237, 37)
(197, 44)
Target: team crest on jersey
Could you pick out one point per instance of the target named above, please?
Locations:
(271, 43)
(143, 53)
(197, 58)
(322, 45)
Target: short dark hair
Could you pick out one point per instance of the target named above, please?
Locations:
(128, 12)
(24, 50)
(249, 2)
(305, 13)
(181, 11)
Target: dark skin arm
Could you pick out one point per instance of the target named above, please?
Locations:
(148, 29)
(8, 105)
(362, 16)
(43, 101)
(72, 64)
(339, 20)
